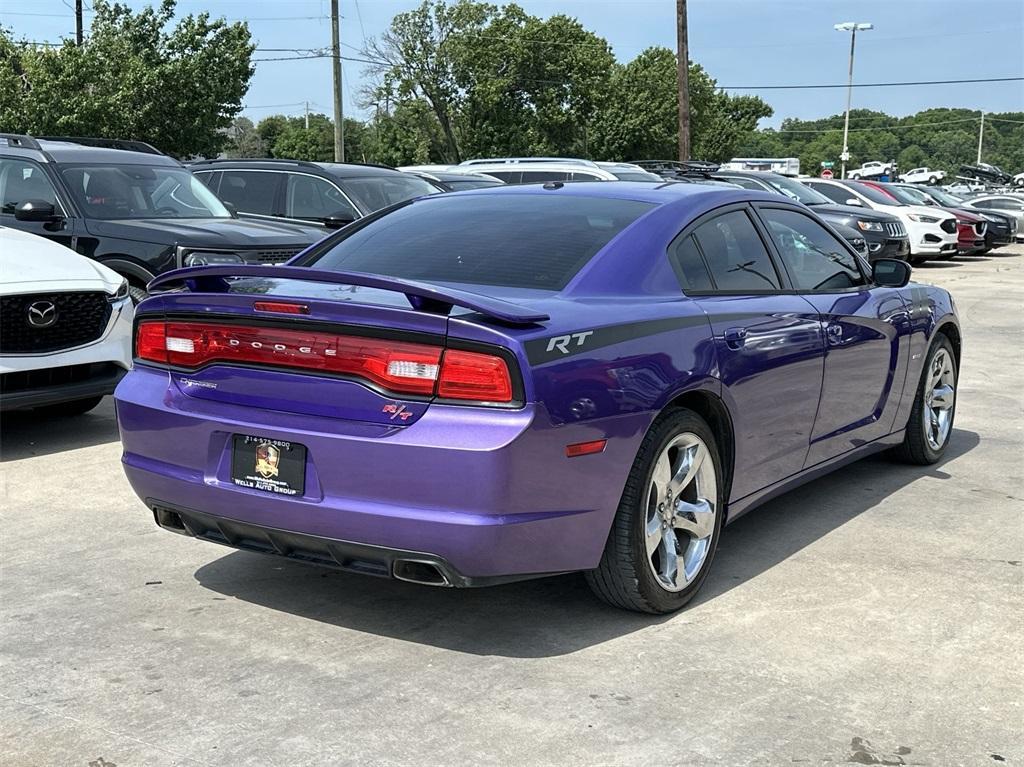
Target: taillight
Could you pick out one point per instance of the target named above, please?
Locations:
(474, 376)
(397, 366)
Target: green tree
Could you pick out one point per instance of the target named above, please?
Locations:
(135, 77)
(244, 140)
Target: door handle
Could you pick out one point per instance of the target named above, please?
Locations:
(735, 337)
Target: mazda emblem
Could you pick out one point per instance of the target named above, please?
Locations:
(42, 314)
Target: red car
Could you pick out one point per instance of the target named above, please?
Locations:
(969, 226)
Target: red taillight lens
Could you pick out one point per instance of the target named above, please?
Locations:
(151, 342)
(474, 376)
(397, 366)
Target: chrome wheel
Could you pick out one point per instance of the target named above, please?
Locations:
(940, 396)
(681, 508)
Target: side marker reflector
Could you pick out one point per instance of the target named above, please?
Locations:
(585, 448)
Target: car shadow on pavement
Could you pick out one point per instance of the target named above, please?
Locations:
(24, 434)
(558, 615)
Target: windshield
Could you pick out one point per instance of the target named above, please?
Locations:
(797, 191)
(523, 241)
(376, 192)
(945, 199)
(912, 196)
(141, 191)
(875, 195)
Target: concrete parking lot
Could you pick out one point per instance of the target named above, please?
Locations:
(871, 617)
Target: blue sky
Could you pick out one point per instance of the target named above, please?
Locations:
(740, 42)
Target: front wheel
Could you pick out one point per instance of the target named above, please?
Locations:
(932, 180)
(665, 532)
(931, 420)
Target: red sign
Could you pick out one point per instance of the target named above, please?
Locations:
(827, 173)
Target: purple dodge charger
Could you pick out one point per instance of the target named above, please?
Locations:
(505, 383)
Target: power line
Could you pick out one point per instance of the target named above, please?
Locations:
(320, 56)
(866, 85)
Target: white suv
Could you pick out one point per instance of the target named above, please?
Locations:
(932, 231)
(922, 176)
(870, 170)
(65, 326)
(532, 170)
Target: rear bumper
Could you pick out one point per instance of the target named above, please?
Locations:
(485, 494)
(380, 561)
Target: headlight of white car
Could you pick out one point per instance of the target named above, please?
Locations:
(120, 294)
(870, 226)
(921, 219)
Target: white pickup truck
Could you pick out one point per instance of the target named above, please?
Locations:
(922, 176)
(870, 170)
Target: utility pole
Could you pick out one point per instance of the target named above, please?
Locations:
(981, 134)
(78, 22)
(307, 115)
(683, 78)
(339, 116)
(852, 27)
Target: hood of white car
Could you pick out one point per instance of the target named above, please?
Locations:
(32, 264)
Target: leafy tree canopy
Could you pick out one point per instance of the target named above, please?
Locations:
(134, 77)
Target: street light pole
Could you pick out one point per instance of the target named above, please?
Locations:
(852, 27)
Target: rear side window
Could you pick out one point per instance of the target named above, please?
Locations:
(735, 255)
(693, 272)
(250, 191)
(523, 241)
(534, 176)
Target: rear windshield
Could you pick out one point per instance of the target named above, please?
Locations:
(523, 241)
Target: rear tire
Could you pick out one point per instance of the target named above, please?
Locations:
(930, 426)
(661, 544)
(72, 408)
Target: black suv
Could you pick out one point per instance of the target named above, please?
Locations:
(885, 234)
(131, 207)
(325, 193)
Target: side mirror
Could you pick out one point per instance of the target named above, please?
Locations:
(231, 208)
(890, 272)
(338, 220)
(854, 201)
(35, 210)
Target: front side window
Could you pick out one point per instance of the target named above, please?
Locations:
(735, 255)
(314, 198)
(141, 191)
(20, 181)
(523, 241)
(814, 258)
(543, 176)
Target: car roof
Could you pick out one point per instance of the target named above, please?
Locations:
(656, 192)
(338, 169)
(68, 152)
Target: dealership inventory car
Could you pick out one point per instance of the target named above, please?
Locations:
(329, 194)
(131, 208)
(1008, 204)
(455, 181)
(882, 233)
(971, 227)
(1001, 229)
(536, 170)
(923, 176)
(872, 169)
(933, 234)
(65, 327)
(505, 383)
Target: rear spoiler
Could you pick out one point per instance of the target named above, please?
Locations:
(421, 296)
